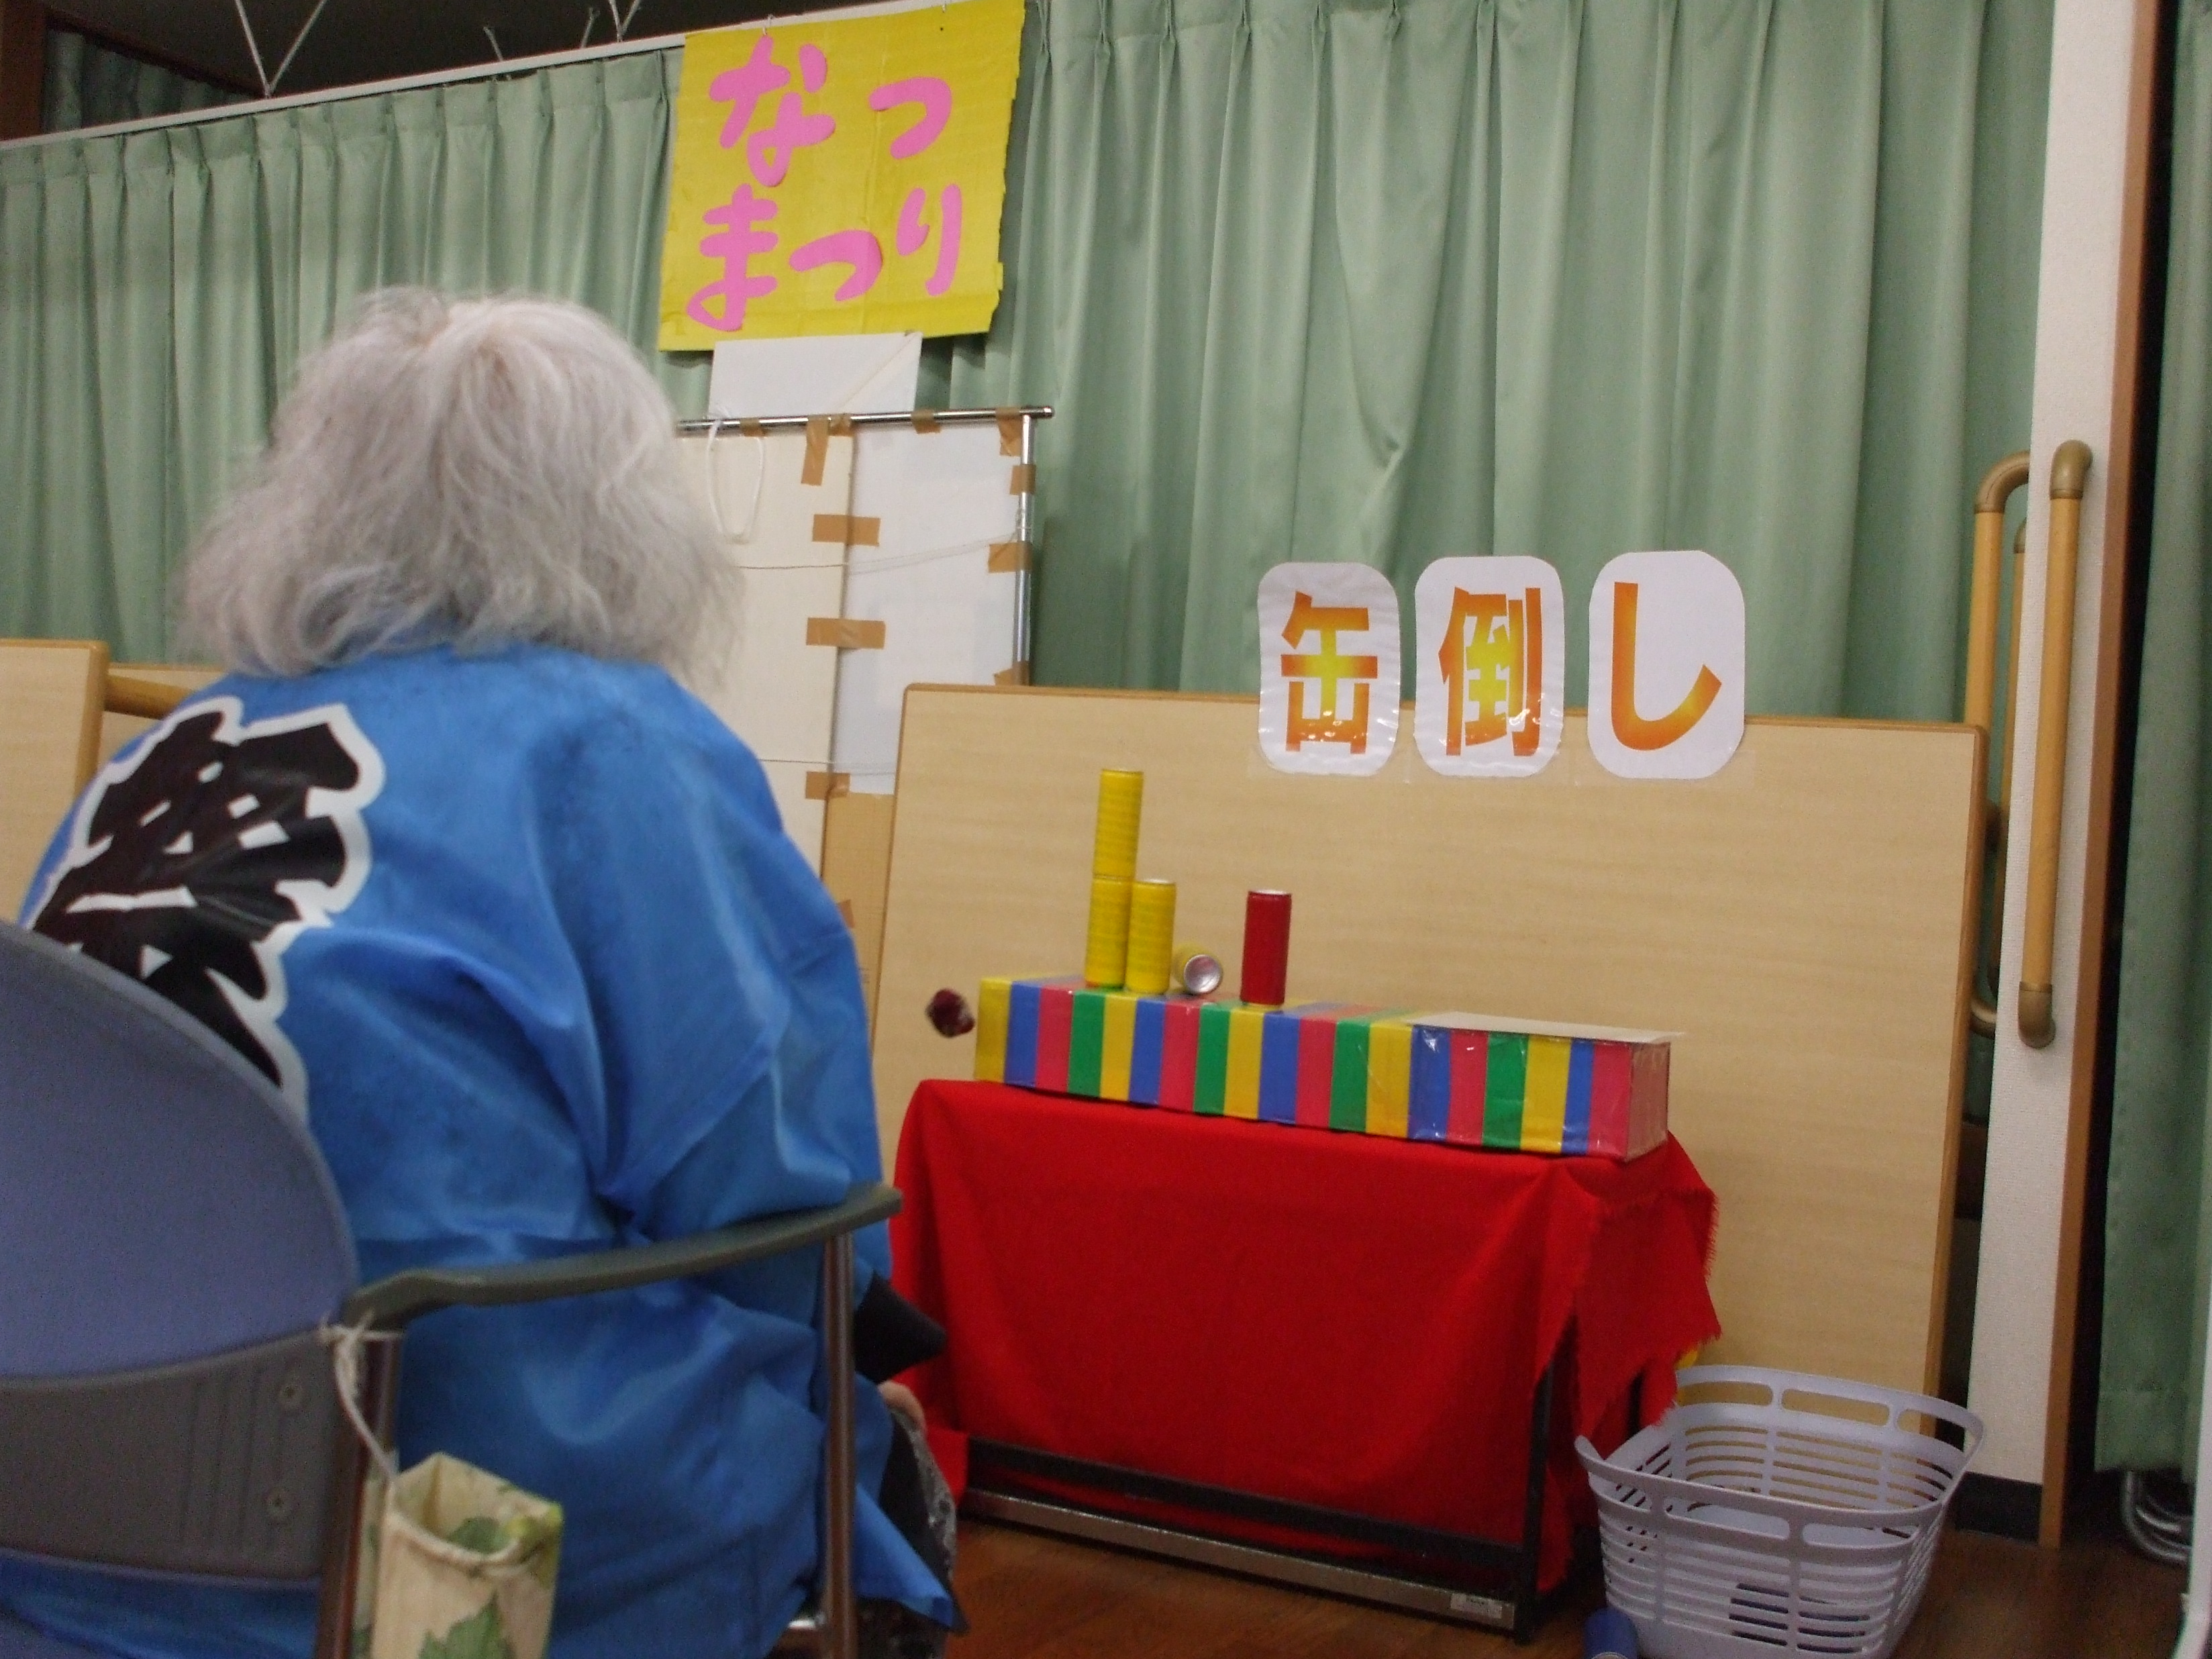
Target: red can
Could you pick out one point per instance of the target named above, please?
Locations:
(1267, 947)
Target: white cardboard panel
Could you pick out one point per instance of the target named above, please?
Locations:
(815, 374)
(802, 819)
(775, 690)
(942, 499)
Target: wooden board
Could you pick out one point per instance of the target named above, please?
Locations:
(856, 857)
(1800, 918)
(49, 739)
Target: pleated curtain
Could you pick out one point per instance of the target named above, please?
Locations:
(1388, 280)
(89, 86)
(1372, 279)
(157, 288)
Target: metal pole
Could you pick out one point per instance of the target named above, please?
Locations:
(840, 1617)
(748, 424)
(2196, 1637)
(1527, 1584)
(379, 1393)
(1024, 525)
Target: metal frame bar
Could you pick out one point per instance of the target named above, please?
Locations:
(1257, 1561)
(1521, 1560)
(840, 1625)
(341, 1575)
(831, 1628)
(390, 1303)
(2195, 1639)
(700, 426)
(1023, 528)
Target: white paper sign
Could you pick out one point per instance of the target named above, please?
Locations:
(815, 374)
(1665, 665)
(1328, 668)
(1490, 667)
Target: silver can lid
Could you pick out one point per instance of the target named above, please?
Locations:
(1199, 974)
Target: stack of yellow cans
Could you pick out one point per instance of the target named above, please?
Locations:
(1152, 938)
(1113, 878)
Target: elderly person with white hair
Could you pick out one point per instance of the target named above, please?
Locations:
(454, 860)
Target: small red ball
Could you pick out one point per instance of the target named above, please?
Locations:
(950, 1013)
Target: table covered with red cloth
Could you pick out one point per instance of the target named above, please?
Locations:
(1333, 1319)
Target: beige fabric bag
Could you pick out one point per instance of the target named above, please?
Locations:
(454, 1563)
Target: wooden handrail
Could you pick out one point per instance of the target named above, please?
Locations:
(2070, 475)
(149, 700)
(1990, 502)
(2011, 672)
(2000, 811)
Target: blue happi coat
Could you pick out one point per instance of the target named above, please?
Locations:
(521, 934)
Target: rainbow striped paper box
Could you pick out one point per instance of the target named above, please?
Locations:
(1532, 1086)
(1460, 1079)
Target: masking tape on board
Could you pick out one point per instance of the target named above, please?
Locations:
(847, 531)
(845, 633)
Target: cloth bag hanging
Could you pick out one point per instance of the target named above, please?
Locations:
(454, 1563)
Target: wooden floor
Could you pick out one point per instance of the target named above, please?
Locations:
(1029, 1596)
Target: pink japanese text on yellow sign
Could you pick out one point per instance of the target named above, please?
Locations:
(841, 177)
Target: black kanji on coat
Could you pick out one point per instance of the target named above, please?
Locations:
(191, 854)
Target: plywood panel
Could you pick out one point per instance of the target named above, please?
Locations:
(856, 868)
(49, 736)
(1800, 918)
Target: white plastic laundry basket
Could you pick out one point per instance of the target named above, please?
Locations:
(1771, 1512)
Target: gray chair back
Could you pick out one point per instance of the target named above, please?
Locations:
(170, 1241)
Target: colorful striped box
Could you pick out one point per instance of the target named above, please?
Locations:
(1457, 1079)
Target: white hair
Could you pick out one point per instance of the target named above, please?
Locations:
(472, 472)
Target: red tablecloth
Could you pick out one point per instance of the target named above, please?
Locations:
(1333, 1319)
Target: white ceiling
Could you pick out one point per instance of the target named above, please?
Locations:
(357, 40)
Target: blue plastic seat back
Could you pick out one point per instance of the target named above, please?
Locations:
(159, 1199)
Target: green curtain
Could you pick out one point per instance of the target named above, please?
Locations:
(1373, 279)
(2158, 1253)
(88, 86)
(1388, 280)
(156, 288)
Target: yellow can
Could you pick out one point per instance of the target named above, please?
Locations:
(1151, 937)
(1120, 809)
(1106, 950)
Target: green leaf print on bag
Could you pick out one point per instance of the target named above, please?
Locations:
(481, 1636)
(479, 1533)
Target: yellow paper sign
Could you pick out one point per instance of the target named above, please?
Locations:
(841, 177)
